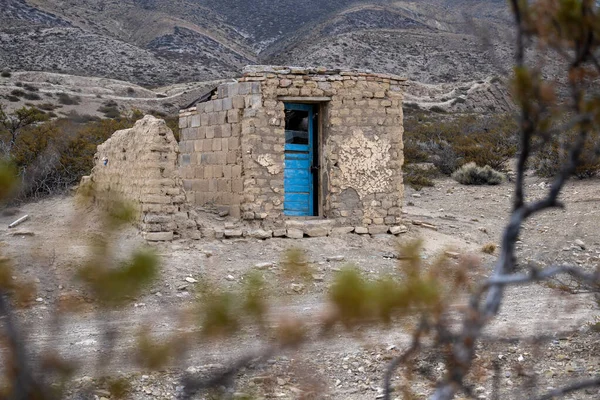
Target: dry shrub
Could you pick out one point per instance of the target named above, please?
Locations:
(471, 174)
(549, 160)
(53, 156)
(489, 248)
(449, 141)
(418, 177)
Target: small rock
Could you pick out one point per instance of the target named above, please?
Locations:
(452, 254)
(233, 233)
(263, 265)
(579, 243)
(280, 381)
(397, 230)
(416, 195)
(297, 287)
(336, 258)
(230, 277)
(318, 277)
(189, 279)
(39, 300)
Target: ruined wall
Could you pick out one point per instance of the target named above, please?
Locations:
(210, 146)
(360, 143)
(232, 147)
(141, 167)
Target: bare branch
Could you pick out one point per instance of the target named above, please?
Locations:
(193, 385)
(396, 362)
(572, 388)
(24, 383)
(536, 275)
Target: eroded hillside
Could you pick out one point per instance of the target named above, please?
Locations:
(154, 43)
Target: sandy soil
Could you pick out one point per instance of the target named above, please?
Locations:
(50, 246)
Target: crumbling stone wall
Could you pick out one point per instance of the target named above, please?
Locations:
(211, 155)
(140, 165)
(360, 145)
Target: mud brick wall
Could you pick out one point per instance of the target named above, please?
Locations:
(210, 147)
(141, 167)
(360, 143)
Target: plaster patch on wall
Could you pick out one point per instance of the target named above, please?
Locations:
(364, 164)
(266, 160)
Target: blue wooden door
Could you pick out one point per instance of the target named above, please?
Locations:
(298, 178)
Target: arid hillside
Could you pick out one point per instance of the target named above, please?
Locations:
(155, 43)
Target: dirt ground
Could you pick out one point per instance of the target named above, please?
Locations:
(50, 246)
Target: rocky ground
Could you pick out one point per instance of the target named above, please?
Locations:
(349, 365)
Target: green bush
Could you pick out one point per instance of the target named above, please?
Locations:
(471, 174)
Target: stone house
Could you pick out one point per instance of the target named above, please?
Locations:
(288, 144)
(281, 151)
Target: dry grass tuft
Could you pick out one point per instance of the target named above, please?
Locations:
(489, 248)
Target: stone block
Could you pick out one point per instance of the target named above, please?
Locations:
(344, 230)
(361, 230)
(279, 232)
(378, 229)
(159, 236)
(293, 233)
(397, 230)
(260, 234)
(156, 219)
(316, 231)
(233, 233)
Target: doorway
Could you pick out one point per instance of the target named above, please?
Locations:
(301, 174)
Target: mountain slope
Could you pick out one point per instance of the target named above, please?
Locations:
(154, 42)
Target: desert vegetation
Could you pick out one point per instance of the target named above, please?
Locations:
(448, 142)
(51, 155)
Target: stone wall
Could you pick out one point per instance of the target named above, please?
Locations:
(360, 143)
(210, 146)
(140, 165)
(232, 148)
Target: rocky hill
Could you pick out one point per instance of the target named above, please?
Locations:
(154, 43)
